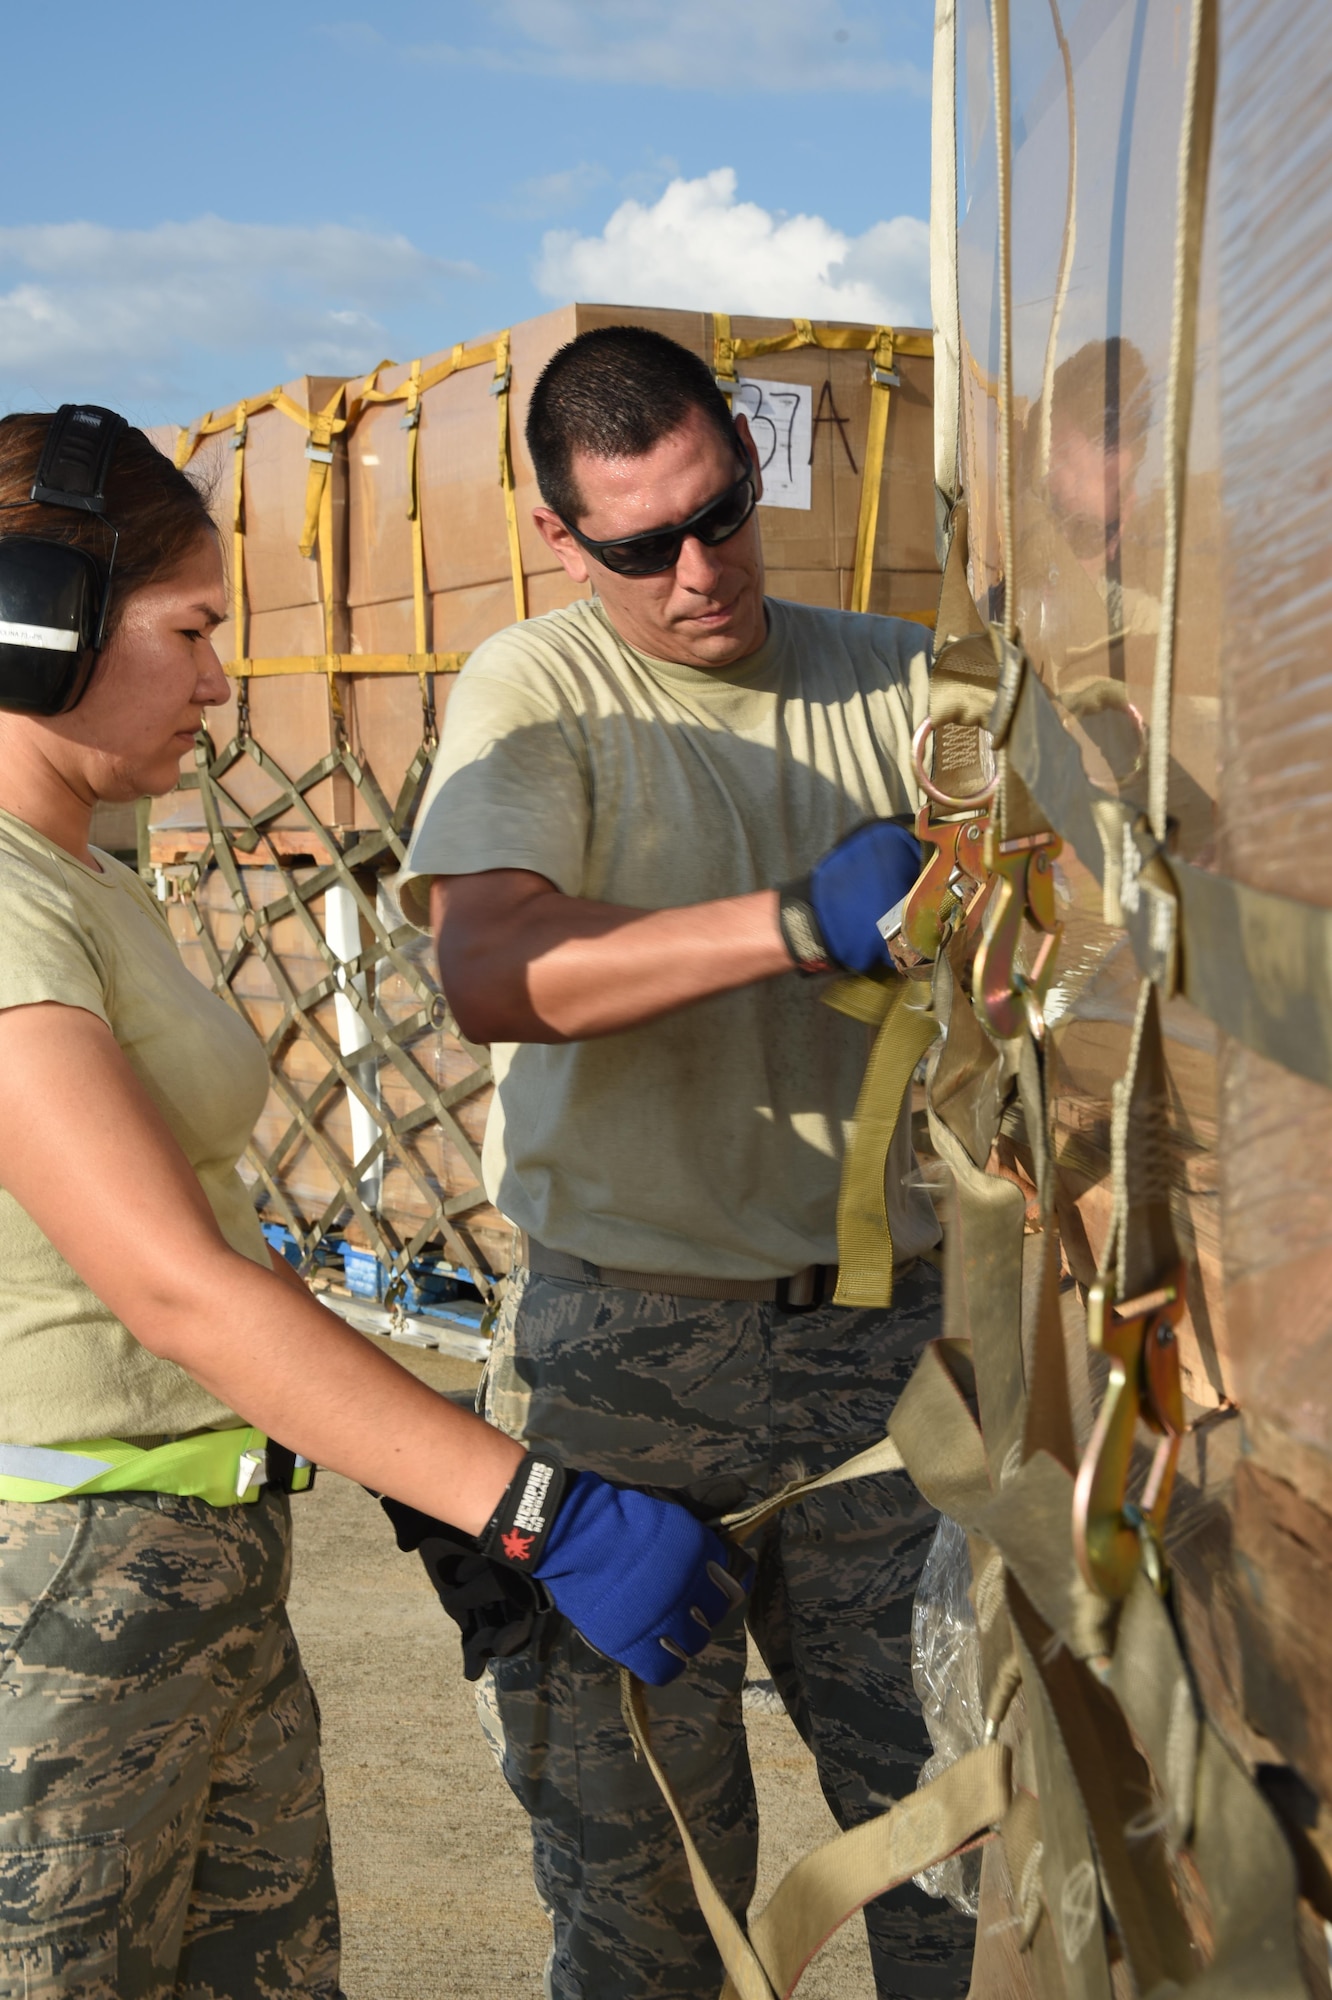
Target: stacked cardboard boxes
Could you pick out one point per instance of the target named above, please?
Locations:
(377, 531)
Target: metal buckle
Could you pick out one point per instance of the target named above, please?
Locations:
(947, 888)
(1111, 1534)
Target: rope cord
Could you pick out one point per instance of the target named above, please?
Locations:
(1195, 148)
(1004, 186)
(1068, 242)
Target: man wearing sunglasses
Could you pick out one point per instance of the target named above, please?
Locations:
(650, 813)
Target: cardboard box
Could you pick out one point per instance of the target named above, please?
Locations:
(468, 577)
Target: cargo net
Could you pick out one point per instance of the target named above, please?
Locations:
(367, 1149)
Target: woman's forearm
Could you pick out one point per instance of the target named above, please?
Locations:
(261, 1344)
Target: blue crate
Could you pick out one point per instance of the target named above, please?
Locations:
(363, 1272)
(278, 1237)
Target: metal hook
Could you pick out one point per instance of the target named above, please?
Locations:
(1024, 891)
(948, 884)
(1111, 1534)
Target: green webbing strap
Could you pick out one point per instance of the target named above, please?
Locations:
(864, 1237)
(208, 1466)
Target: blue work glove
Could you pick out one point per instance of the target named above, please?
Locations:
(640, 1578)
(830, 918)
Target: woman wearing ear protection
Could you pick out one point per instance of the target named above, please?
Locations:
(162, 1827)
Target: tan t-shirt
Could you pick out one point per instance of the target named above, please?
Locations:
(69, 1369)
(709, 1142)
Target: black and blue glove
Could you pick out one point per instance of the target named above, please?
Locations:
(831, 917)
(639, 1577)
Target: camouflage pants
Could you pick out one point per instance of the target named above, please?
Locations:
(720, 1403)
(162, 1825)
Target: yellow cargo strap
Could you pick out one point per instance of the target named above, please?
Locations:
(323, 426)
(282, 665)
(883, 344)
(499, 389)
(906, 1028)
(221, 1467)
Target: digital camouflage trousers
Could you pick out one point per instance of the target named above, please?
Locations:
(162, 1824)
(720, 1404)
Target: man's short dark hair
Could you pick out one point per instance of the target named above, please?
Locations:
(1104, 392)
(614, 392)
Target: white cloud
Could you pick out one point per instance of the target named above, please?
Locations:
(767, 45)
(123, 305)
(699, 248)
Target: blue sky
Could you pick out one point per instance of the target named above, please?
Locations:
(218, 198)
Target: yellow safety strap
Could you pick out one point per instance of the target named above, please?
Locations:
(883, 344)
(723, 354)
(412, 425)
(906, 1029)
(238, 633)
(322, 425)
(500, 390)
(221, 1467)
(882, 378)
(345, 663)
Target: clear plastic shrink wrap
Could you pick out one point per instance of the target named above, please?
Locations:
(1096, 101)
(945, 1667)
(1274, 215)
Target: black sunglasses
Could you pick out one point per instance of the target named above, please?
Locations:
(658, 549)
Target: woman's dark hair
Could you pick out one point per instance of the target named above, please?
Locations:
(160, 513)
(614, 392)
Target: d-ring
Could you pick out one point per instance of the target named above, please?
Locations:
(927, 785)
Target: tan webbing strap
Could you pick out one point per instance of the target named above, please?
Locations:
(1211, 1803)
(965, 1802)
(964, 666)
(500, 390)
(876, 1458)
(983, 1235)
(864, 1235)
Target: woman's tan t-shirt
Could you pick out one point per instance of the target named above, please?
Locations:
(69, 1369)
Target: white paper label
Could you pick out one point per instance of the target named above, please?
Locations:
(781, 419)
(51, 638)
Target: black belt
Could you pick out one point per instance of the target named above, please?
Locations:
(800, 1292)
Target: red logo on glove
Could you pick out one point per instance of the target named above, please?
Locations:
(517, 1547)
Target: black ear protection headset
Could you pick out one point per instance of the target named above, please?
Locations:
(54, 598)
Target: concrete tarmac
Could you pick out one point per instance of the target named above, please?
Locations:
(431, 1849)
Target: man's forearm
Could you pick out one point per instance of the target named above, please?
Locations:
(554, 968)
